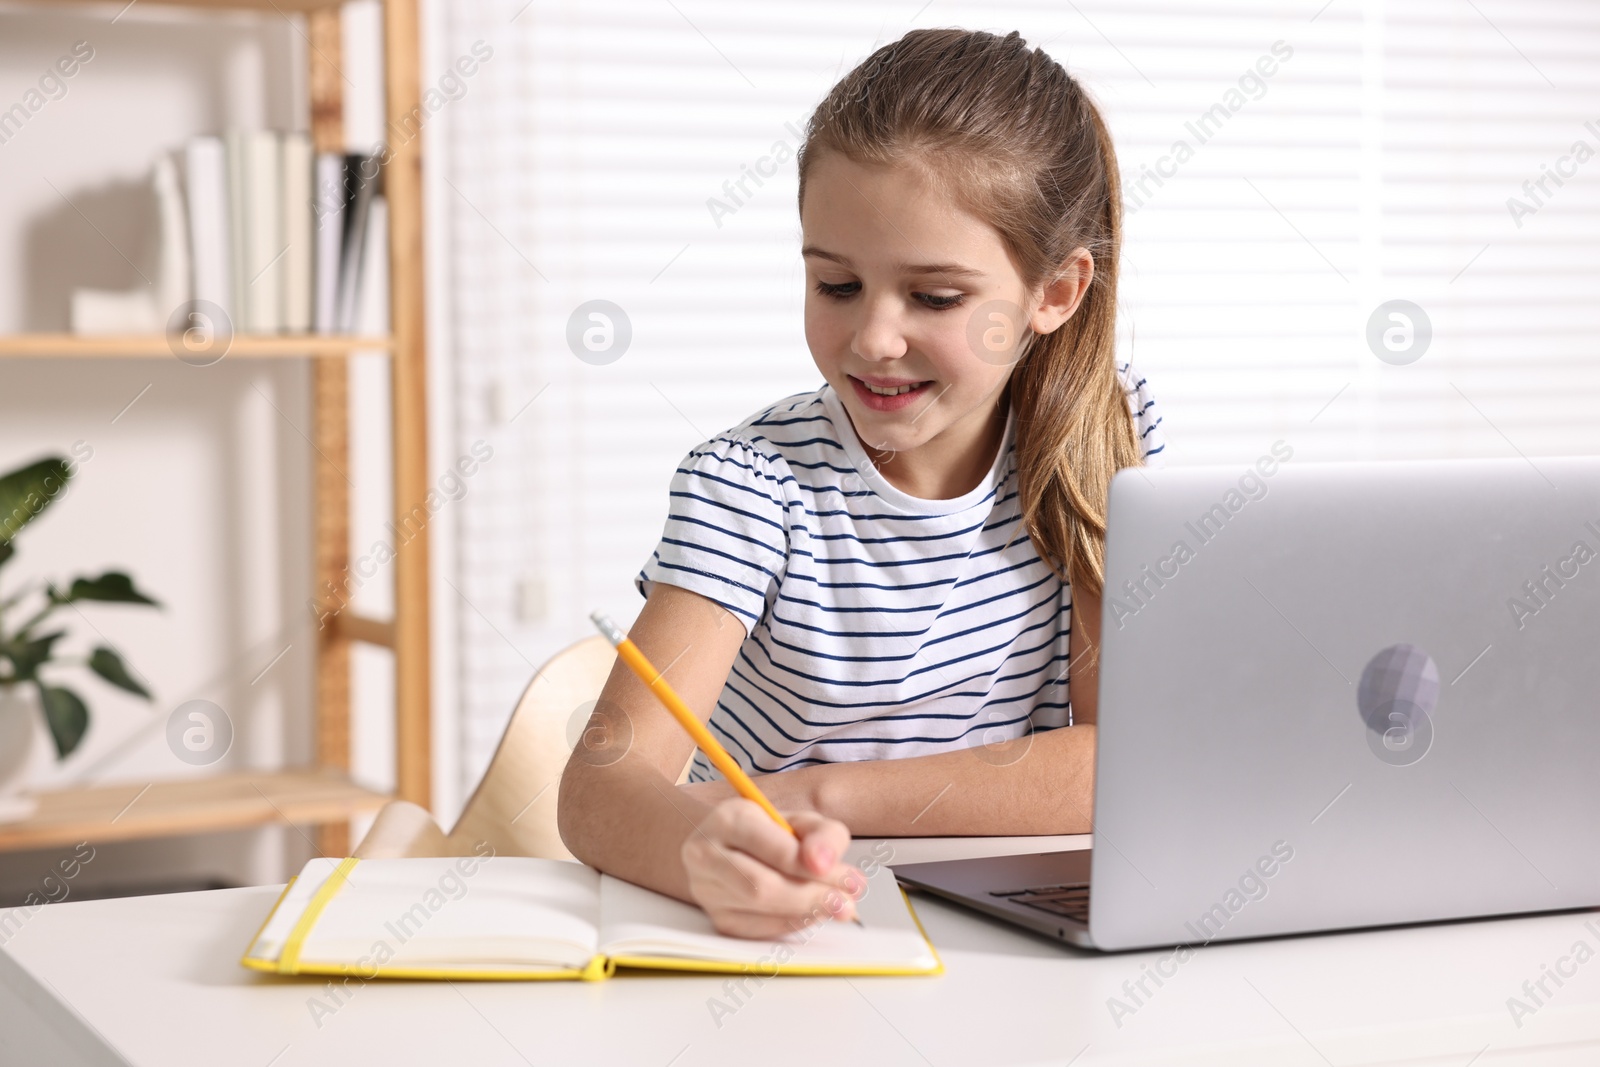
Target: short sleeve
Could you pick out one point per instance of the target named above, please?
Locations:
(1146, 416)
(726, 535)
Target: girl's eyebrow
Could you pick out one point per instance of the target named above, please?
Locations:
(948, 270)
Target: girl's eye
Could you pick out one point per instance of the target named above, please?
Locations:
(940, 303)
(845, 290)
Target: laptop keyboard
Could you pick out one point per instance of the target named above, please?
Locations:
(1070, 901)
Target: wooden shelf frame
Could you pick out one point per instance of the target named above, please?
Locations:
(299, 7)
(322, 795)
(133, 810)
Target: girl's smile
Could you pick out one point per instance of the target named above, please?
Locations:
(887, 394)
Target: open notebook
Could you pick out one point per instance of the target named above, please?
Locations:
(516, 917)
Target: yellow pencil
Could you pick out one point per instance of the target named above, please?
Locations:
(630, 654)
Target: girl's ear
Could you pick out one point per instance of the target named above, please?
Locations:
(1061, 296)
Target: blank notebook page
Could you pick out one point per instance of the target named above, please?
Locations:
(638, 922)
(510, 910)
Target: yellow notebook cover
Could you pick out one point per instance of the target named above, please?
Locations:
(517, 918)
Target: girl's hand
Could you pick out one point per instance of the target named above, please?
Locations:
(756, 880)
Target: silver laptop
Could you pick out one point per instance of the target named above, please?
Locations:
(1332, 695)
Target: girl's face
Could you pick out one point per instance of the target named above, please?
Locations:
(915, 309)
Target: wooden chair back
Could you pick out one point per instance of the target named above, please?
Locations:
(514, 806)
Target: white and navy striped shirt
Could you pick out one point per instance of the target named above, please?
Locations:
(878, 624)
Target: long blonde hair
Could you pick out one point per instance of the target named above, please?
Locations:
(1005, 130)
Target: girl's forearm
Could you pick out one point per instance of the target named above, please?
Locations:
(1038, 785)
(629, 821)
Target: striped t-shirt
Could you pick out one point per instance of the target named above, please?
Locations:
(878, 624)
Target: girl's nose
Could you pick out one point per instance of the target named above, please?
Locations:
(879, 336)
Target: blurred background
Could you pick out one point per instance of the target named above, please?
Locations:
(1366, 228)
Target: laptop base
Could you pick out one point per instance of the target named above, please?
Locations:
(1056, 907)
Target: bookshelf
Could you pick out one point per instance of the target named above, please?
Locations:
(153, 346)
(322, 795)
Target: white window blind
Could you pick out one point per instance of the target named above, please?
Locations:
(1374, 163)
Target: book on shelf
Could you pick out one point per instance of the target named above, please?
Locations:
(280, 237)
(362, 183)
(238, 206)
(298, 255)
(329, 239)
(515, 917)
(372, 283)
(211, 251)
(261, 160)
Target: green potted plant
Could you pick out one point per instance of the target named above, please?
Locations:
(28, 654)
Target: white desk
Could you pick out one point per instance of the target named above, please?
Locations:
(155, 980)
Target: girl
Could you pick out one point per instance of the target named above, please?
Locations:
(870, 587)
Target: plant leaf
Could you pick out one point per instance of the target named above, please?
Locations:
(26, 656)
(108, 665)
(27, 491)
(66, 716)
(112, 585)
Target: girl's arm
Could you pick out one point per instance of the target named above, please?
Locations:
(1038, 784)
(1048, 789)
(619, 808)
